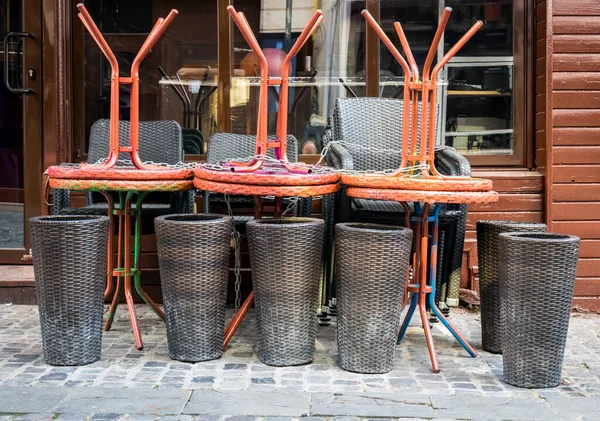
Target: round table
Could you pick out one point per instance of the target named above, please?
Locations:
(127, 190)
(422, 292)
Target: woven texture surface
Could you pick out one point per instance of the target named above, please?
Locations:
(488, 253)
(537, 278)
(371, 266)
(159, 141)
(374, 123)
(454, 244)
(69, 260)
(286, 258)
(226, 146)
(193, 254)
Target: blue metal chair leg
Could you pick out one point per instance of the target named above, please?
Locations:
(431, 295)
(411, 310)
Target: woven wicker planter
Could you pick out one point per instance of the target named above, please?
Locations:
(371, 268)
(69, 261)
(537, 275)
(286, 258)
(489, 255)
(193, 254)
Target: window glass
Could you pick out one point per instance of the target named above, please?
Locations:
(476, 99)
(329, 66)
(177, 78)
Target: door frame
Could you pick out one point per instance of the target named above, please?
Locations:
(32, 126)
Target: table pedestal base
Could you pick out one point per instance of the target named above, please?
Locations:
(127, 275)
(422, 294)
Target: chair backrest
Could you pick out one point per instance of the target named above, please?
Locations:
(225, 146)
(374, 126)
(160, 141)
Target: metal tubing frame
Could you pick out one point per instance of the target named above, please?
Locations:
(262, 143)
(235, 322)
(422, 151)
(158, 30)
(423, 292)
(129, 271)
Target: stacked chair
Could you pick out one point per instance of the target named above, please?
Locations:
(160, 142)
(369, 134)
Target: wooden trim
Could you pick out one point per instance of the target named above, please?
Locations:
(225, 51)
(549, 114)
(58, 81)
(372, 53)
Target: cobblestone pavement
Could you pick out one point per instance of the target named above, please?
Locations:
(128, 384)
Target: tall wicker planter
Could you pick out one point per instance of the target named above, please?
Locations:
(371, 269)
(193, 254)
(286, 259)
(489, 255)
(537, 275)
(69, 261)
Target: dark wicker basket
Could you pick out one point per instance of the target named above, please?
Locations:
(193, 254)
(371, 264)
(69, 261)
(489, 253)
(537, 275)
(286, 259)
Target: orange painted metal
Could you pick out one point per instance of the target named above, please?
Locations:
(109, 267)
(431, 197)
(93, 172)
(407, 183)
(418, 149)
(265, 178)
(127, 275)
(120, 185)
(262, 190)
(237, 319)
(159, 28)
(262, 145)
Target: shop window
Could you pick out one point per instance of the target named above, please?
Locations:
(177, 79)
(482, 86)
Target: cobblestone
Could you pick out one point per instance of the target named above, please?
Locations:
(239, 373)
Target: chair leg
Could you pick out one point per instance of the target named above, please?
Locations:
(136, 262)
(127, 274)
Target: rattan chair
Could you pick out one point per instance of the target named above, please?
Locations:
(160, 142)
(370, 130)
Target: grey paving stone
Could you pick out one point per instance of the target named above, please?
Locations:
(251, 403)
(22, 399)
(124, 401)
(105, 417)
(73, 417)
(485, 407)
(35, 417)
(569, 408)
(371, 405)
(239, 418)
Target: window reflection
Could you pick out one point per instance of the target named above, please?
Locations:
(477, 95)
(186, 53)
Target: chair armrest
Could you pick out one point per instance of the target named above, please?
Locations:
(339, 157)
(450, 162)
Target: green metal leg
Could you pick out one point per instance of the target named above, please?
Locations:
(118, 295)
(136, 254)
